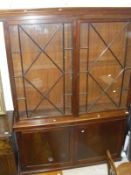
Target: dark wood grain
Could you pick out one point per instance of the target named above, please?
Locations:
(76, 94)
(69, 120)
(49, 148)
(87, 136)
(91, 135)
(114, 13)
(7, 156)
(75, 98)
(7, 164)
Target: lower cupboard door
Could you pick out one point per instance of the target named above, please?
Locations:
(44, 148)
(94, 139)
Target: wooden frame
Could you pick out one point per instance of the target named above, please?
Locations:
(65, 15)
(33, 126)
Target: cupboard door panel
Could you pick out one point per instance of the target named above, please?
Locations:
(45, 148)
(94, 139)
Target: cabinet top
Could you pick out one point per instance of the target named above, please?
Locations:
(87, 12)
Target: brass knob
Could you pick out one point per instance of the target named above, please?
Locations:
(82, 131)
(50, 159)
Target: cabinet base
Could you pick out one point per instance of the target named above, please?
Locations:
(80, 165)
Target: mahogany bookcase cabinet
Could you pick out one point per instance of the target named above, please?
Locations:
(70, 77)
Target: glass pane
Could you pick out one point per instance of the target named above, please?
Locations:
(68, 61)
(68, 42)
(103, 65)
(84, 35)
(42, 59)
(19, 88)
(128, 48)
(68, 103)
(22, 109)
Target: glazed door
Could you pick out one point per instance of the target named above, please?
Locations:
(94, 139)
(45, 148)
(47, 56)
(41, 54)
(105, 66)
